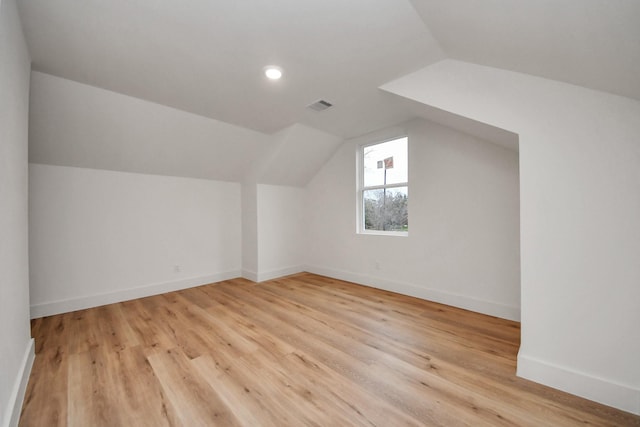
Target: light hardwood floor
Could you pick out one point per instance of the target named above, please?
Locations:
(300, 351)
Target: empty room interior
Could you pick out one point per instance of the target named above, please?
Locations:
(336, 213)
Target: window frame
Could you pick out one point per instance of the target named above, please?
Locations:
(360, 224)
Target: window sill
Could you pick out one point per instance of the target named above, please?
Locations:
(383, 233)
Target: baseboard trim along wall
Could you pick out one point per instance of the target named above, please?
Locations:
(72, 304)
(250, 275)
(16, 399)
(460, 301)
(263, 276)
(600, 390)
(281, 272)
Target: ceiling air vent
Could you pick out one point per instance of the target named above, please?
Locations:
(320, 105)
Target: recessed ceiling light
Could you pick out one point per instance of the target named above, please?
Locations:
(273, 72)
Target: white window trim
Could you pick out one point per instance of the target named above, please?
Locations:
(361, 188)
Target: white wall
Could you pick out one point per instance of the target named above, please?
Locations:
(250, 230)
(280, 230)
(102, 236)
(463, 243)
(72, 124)
(580, 228)
(16, 347)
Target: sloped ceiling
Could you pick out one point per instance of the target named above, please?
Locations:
(206, 57)
(78, 125)
(591, 43)
(296, 154)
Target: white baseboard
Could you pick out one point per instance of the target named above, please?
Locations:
(600, 390)
(274, 274)
(456, 300)
(79, 303)
(262, 276)
(16, 399)
(250, 275)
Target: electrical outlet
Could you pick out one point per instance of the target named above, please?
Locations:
(177, 268)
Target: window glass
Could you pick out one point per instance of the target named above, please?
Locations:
(388, 157)
(384, 191)
(386, 209)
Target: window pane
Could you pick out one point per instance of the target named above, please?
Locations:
(386, 210)
(388, 158)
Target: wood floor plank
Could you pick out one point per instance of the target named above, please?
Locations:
(54, 330)
(91, 396)
(195, 402)
(45, 402)
(304, 350)
(251, 406)
(83, 331)
(140, 399)
(191, 342)
(145, 327)
(214, 327)
(113, 329)
(108, 388)
(374, 410)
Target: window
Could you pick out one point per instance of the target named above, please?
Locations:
(383, 194)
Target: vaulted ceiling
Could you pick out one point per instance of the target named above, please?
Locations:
(590, 43)
(207, 57)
